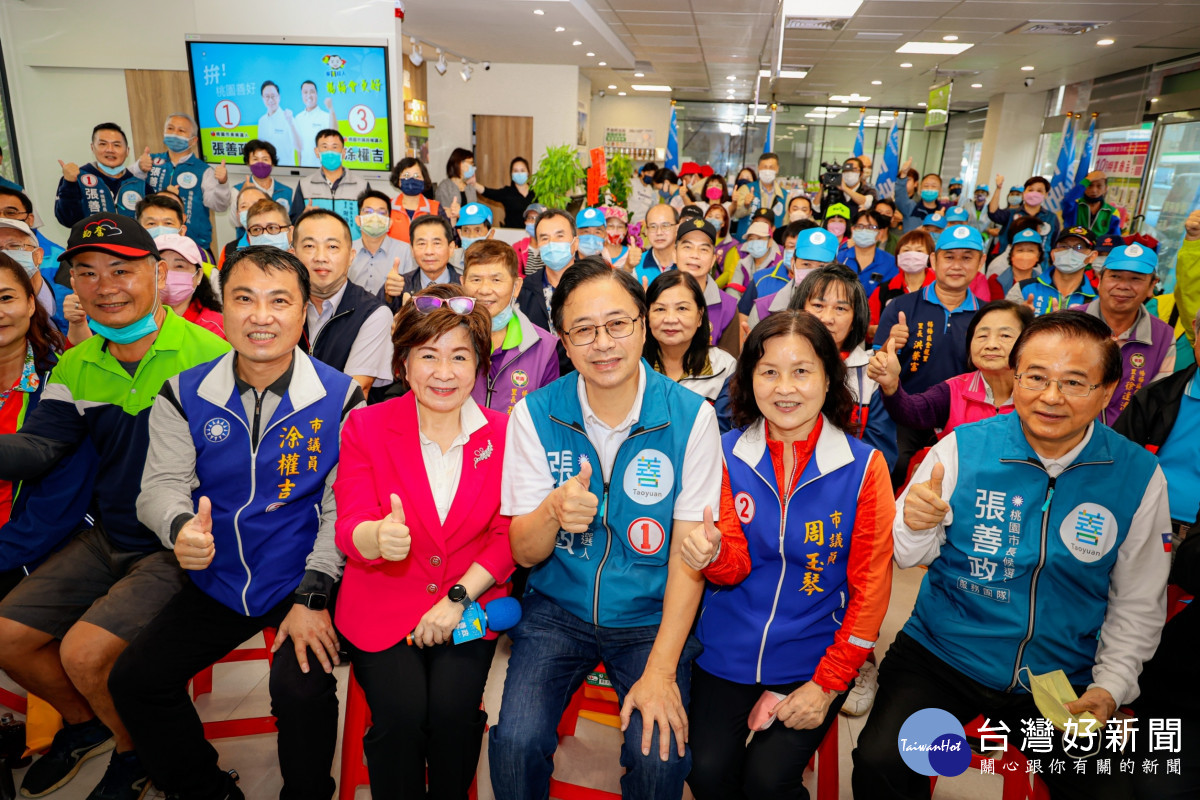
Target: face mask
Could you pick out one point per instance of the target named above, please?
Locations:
(279, 240)
(374, 224)
(863, 238)
(412, 186)
(502, 318)
(1098, 261)
(179, 287)
(912, 261)
(713, 192)
(955, 194)
(614, 238)
(519, 178)
(590, 244)
(467, 241)
(260, 169)
(130, 333)
(1068, 261)
(1023, 261)
(740, 182)
(1014, 199)
(556, 255)
(1051, 693)
(648, 180)
(929, 195)
(757, 248)
(980, 199)
(767, 176)
(242, 217)
(25, 259)
(161, 230)
(176, 144)
(798, 215)
(331, 159)
(111, 171)
(716, 222)
(850, 179)
(529, 228)
(1034, 199)
(469, 172)
(837, 227)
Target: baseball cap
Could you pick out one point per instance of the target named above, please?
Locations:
(1145, 240)
(1107, 243)
(816, 244)
(615, 211)
(1132, 258)
(957, 214)
(699, 225)
(690, 211)
(983, 187)
(16, 224)
(763, 214)
(706, 171)
(534, 208)
(960, 237)
(937, 220)
(180, 244)
(589, 218)
(1078, 233)
(689, 168)
(955, 182)
(837, 210)
(759, 227)
(109, 233)
(1027, 236)
(474, 214)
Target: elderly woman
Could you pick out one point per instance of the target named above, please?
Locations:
(418, 495)
(806, 514)
(679, 342)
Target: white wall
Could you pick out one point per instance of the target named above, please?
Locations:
(548, 93)
(1010, 137)
(612, 111)
(66, 64)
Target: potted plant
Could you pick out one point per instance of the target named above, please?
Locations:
(620, 173)
(558, 174)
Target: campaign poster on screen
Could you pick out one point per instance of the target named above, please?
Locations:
(285, 94)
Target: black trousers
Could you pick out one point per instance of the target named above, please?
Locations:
(908, 442)
(912, 678)
(426, 720)
(149, 686)
(724, 767)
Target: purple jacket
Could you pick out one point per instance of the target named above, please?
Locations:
(766, 306)
(520, 370)
(722, 310)
(1142, 356)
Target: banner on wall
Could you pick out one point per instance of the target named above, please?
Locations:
(1125, 165)
(285, 94)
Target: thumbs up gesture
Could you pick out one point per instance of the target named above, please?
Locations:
(145, 162)
(220, 172)
(884, 368)
(999, 181)
(701, 545)
(394, 285)
(899, 332)
(924, 507)
(572, 505)
(70, 170)
(454, 208)
(194, 544)
(393, 536)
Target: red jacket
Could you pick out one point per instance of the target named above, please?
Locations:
(381, 602)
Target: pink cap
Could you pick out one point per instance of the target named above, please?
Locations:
(180, 244)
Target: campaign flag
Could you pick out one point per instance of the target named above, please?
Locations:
(1062, 181)
(673, 144)
(1085, 160)
(885, 183)
(858, 140)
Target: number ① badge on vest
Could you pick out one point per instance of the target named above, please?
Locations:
(646, 536)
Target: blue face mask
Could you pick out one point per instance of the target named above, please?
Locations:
(467, 241)
(176, 144)
(502, 318)
(331, 160)
(469, 172)
(130, 333)
(556, 255)
(163, 230)
(929, 195)
(412, 186)
(648, 179)
(242, 217)
(279, 240)
(519, 178)
(529, 228)
(24, 258)
(111, 171)
(757, 248)
(590, 244)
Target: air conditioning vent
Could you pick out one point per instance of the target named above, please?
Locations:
(1050, 27)
(814, 24)
(878, 36)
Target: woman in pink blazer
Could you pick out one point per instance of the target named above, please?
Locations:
(418, 493)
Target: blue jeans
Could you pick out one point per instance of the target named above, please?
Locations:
(553, 651)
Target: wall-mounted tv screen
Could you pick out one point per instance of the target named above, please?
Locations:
(285, 93)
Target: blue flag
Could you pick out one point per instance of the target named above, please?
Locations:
(673, 144)
(858, 140)
(885, 182)
(1085, 160)
(1062, 181)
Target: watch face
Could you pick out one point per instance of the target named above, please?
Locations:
(315, 601)
(457, 593)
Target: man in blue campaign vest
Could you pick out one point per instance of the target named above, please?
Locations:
(104, 186)
(763, 193)
(607, 469)
(200, 187)
(250, 441)
(1047, 538)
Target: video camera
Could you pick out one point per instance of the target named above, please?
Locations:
(831, 177)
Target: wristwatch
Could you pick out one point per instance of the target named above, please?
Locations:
(458, 594)
(314, 601)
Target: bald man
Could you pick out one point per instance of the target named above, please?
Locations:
(1085, 206)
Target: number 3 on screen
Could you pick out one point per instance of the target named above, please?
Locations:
(362, 119)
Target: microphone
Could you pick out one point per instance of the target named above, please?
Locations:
(500, 615)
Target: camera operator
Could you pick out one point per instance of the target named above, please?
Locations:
(845, 186)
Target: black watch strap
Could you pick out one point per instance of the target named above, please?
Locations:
(314, 601)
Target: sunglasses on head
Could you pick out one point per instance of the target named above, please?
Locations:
(459, 305)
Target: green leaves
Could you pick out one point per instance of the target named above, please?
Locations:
(620, 172)
(558, 174)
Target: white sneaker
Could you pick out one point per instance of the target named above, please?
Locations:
(862, 695)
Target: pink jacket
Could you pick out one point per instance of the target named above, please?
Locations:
(380, 602)
(969, 403)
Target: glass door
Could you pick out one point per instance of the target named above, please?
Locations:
(1171, 188)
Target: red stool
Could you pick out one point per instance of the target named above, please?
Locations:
(1017, 784)
(825, 761)
(246, 726)
(597, 699)
(12, 700)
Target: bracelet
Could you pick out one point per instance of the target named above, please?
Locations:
(715, 556)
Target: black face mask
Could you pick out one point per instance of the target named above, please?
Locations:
(648, 179)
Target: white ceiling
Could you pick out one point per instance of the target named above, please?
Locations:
(694, 45)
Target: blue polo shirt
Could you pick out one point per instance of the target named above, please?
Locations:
(937, 337)
(770, 280)
(1177, 456)
(879, 271)
(1045, 294)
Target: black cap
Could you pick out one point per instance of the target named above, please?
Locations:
(690, 211)
(1079, 233)
(764, 213)
(694, 225)
(110, 233)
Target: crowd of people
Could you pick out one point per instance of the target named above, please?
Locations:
(366, 418)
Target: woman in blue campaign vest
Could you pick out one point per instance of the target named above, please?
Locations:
(799, 568)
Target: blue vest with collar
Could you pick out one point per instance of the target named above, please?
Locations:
(774, 626)
(1023, 576)
(615, 574)
(266, 501)
(188, 175)
(97, 198)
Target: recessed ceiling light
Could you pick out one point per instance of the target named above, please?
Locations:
(559, 29)
(877, 83)
(620, 94)
(935, 48)
(602, 63)
(976, 85)
(538, 11)
(651, 87)
(612, 86)
(591, 55)
(905, 65)
(950, 38)
(1153, 99)
(639, 74)
(577, 43)
(922, 105)
(1027, 68)
(731, 77)
(1105, 42)
(849, 98)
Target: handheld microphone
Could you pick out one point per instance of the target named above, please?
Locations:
(500, 615)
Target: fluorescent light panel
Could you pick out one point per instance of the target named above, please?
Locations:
(784, 73)
(650, 87)
(935, 48)
(836, 9)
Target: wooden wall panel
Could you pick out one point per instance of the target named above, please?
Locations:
(154, 93)
(498, 140)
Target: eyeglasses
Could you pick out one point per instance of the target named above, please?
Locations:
(659, 227)
(272, 228)
(367, 212)
(618, 328)
(866, 227)
(459, 305)
(1071, 387)
(14, 213)
(28, 248)
(1078, 248)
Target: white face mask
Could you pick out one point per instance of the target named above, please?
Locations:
(850, 179)
(767, 176)
(1068, 261)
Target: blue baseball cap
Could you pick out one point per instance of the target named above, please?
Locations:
(589, 218)
(954, 182)
(983, 187)
(474, 214)
(1028, 236)
(960, 237)
(937, 220)
(816, 244)
(957, 214)
(1132, 258)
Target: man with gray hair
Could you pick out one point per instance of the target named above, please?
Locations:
(177, 170)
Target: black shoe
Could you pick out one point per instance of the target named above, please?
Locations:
(72, 746)
(125, 779)
(231, 791)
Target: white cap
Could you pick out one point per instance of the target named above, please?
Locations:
(18, 224)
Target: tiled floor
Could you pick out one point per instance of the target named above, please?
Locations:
(589, 758)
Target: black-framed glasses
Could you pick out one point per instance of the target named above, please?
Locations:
(866, 227)
(271, 228)
(14, 213)
(1070, 387)
(427, 303)
(619, 328)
